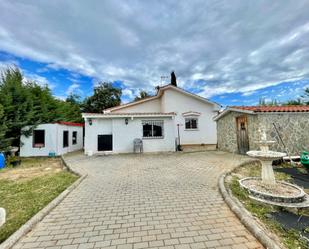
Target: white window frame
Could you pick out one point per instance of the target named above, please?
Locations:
(152, 123)
(191, 118)
(74, 139)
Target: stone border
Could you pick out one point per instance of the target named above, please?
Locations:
(243, 214)
(27, 227)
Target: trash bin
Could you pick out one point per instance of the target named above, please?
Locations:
(304, 159)
(2, 160)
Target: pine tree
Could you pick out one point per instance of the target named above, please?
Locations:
(4, 142)
(17, 104)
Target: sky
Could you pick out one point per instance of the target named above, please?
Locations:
(232, 52)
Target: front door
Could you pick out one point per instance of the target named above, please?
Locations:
(242, 134)
(105, 142)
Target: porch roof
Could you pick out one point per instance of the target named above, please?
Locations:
(127, 114)
(263, 109)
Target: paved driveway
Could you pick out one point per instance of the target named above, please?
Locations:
(144, 201)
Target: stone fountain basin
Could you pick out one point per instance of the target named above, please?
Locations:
(282, 192)
(266, 155)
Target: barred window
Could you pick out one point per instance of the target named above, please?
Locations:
(152, 128)
(191, 123)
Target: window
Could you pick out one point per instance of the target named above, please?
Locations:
(191, 123)
(153, 129)
(65, 139)
(74, 137)
(38, 138)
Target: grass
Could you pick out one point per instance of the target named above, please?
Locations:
(291, 239)
(24, 198)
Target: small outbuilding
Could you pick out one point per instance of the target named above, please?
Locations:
(52, 139)
(238, 128)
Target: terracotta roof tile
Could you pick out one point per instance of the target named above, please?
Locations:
(290, 108)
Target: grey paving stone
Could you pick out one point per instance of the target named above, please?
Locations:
(168, 200)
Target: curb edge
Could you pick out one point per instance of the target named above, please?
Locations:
(34, 220)
(243, 214)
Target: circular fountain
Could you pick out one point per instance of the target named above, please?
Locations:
(265, 188)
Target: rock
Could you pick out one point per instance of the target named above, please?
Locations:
(2, 216)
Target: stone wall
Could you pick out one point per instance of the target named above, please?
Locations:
(227, 131)
(293, 128)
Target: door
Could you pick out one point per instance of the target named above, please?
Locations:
(105, 142)
(242, 134)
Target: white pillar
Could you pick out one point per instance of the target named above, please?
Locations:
(268, 176)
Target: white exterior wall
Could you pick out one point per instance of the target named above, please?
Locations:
(123, 135)
(98, 127)
(71, 147)
(53, 141)
(174, 101)
(148, 106)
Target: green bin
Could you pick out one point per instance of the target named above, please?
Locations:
(304, 159)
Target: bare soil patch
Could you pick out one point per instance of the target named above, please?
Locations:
(32, 168)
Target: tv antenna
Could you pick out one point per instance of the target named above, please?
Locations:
(163, 77)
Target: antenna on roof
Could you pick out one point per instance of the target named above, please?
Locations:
(163, 77)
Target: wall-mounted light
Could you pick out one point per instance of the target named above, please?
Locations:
(90, 121)
(126, 121)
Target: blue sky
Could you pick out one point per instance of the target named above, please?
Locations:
(233, 53)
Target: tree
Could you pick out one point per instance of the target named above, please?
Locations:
(142, 95)
(68, 111)
(305, 97)
(294, 102)
(263, 102)
(105, 96)
(173, 79)
(74, 99)
(4, 142)
(17, 104)
(44, 104)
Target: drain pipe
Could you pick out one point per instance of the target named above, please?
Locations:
(286, 149)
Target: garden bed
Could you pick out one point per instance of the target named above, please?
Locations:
(272, 218)
(26, 189)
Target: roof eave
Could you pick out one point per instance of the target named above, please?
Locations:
(126, 115)
(228, 110)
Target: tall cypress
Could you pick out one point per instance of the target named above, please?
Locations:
(173, 79)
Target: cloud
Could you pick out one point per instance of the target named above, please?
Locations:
(28, 76)
(215, 47)
(73, 88)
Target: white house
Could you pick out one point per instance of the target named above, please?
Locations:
(52, 139)
(171, 115)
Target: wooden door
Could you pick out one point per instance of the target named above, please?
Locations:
(105, 142)
(242, 134)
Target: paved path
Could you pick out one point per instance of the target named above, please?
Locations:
(144, 201)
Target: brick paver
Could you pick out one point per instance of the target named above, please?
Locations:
(144, 201)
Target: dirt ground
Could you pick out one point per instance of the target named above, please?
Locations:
(31, 168)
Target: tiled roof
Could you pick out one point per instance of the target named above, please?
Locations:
(132, 114)
(70, 123)
(290, 108)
